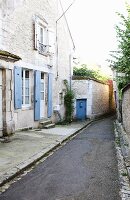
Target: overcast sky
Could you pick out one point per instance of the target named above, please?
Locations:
(92, 25)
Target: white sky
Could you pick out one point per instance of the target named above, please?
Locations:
(92, 25)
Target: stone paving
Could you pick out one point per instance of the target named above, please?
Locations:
(24, 148)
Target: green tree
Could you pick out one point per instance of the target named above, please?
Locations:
(121, 58)
(84, 71)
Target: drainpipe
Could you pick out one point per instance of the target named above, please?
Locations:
(70, 67)
(56, 53)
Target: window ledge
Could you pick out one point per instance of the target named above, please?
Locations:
(42, 53)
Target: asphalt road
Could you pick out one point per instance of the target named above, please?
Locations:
(84, 169)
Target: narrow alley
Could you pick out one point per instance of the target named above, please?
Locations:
(84, 169)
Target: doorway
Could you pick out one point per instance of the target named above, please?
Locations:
(42, 94)
(81, 109)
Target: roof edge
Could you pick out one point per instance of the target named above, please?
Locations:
(5, 55)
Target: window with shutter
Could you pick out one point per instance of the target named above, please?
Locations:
(41, 35)
(26, 97)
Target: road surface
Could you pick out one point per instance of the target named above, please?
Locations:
(84, 169)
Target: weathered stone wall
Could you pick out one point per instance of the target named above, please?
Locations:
(17, 36)
(100, 100)
(97, 95)
(126, 109)
(63, 61)
(112, 97)
(83, 90)
(18, 27)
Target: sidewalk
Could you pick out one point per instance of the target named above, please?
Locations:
(26, 147)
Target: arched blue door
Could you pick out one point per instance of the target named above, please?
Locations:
(81, 109)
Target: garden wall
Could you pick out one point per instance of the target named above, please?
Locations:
(126, 108)
(99, 96)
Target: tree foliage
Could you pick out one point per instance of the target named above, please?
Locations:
(84, 71)
(121, 58)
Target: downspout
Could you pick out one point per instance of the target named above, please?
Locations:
(57, 74)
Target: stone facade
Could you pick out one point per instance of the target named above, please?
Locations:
(117, 97)
(126, 108)
(17, 36)
(100, 98)
(83, 90)
(97, 97)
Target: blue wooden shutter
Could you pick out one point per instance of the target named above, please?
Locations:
(49, 95)
(37, 90)
(17, 87)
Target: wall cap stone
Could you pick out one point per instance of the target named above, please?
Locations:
(126, 88)
(88, 78)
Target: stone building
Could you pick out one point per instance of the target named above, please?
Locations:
(35, 52)
(92, 98)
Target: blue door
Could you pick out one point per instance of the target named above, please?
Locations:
(37, 90)
(81, 109)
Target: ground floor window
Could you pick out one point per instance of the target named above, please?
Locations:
(25, 87)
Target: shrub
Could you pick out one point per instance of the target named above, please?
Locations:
(68, 101)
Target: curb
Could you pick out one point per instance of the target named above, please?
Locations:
(122, 166)
(20, 168)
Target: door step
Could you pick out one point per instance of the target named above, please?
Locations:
(49, 126)
(46, 124)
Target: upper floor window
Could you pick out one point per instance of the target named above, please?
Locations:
(44, 38)
(41, 35)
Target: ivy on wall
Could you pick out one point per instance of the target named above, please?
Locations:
(68, 102)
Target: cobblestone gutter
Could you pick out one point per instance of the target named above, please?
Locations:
(122, 149)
